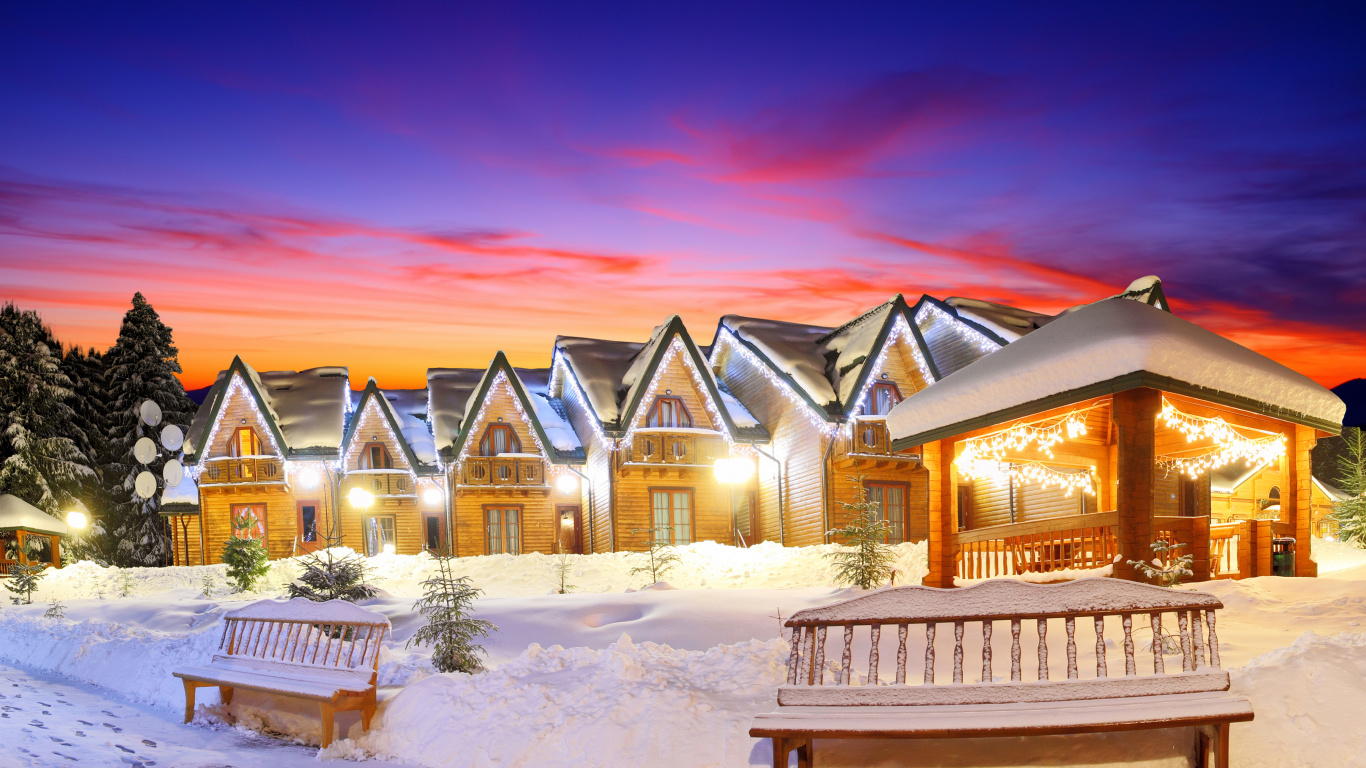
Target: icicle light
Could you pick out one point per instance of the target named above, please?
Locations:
(977, 339)
(676, 349)
(1230, 445)
(782, 385)
(500, 385)
(559, 369)
(899, 331)
(1042, 434)
(373, 407)
(235, 387)
(1027, 472)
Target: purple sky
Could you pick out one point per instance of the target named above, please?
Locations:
(421, 186)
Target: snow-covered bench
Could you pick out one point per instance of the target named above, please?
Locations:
(848, 703)
(325, 652)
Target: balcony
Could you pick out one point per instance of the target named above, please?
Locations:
(677, 447)
(380, 483)
(503, 471)
(868, 437)
(255, 469)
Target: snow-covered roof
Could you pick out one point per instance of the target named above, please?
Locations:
(1100, 343)
(1230, 477)
(409, 408)
(17, 514)
(1010, 323)
(601, 366)
(1333, 494)
(450, 390)
(181, 499)
(307, 407)
(454, 400)
(793, 348)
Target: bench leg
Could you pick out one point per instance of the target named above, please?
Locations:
(1221, 745)
(189, 699)
(1212, 739)
(225, 693)
(367, 712)
(327, 724)
(806, 754)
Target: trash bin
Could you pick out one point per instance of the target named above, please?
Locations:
(1283, 556)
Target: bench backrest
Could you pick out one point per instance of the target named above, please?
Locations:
(332, 635)
(1027, 608)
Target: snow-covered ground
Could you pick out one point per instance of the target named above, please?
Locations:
(666, 675)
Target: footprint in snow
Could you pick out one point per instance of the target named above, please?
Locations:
(149, 742)
(65, 757)
(59, 701)
(114, 727)
(81, 734)
(125, 749)
(82, 722)
(107, 712)
(59, 741)
(37, 724)
(44, 703)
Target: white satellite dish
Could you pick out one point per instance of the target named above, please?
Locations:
(172, 437)
(145, 484)
(173, 473)
(151, 412)
(144, 450)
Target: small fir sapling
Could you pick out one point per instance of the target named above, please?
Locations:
(450, 630)
(328, 577)
(1167, 567)
(125, 584)
(1350, 513)
(560, 568)
(868, 562)
(660, 557)
(206, 584)
(246, 561)
(55, 610)
(23, 580)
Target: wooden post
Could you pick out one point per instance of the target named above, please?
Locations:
(1200, 566)
(1135, 414)
(1247, 550)
(938, 460)
(1262, 542)
(1295, 503)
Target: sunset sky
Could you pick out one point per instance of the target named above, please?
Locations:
(397, 186)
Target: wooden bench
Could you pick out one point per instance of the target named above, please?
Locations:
(842, 701)
(324, 652)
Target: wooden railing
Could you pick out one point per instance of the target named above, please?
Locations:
(1076, 542)
(677, 448)
(499, 470)
(1224, 543)
(227, 470)
(867, 436)
(379, 482)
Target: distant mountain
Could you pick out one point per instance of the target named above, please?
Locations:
(198, 395)
(1353, 393)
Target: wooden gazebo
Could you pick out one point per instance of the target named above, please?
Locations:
(1070, 451)
(23, 525)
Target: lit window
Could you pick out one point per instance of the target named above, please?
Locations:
(882, 399)
(672, 515)
(376, 456)
(891, 507)
(499, 439)
(668, 412)
(504, 527)
(244, 443)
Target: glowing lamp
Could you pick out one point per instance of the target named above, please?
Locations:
(76, 520)
(433, 495)
(360, 497)
(567, 483)
(309, 478)
(388, 549)
(735, 470)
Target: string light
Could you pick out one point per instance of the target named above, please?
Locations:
(1229, 444)
(373, 407)
(816, 417)
(237, 385)
(978, 340)
(499, 381)
(676, 348)
(899, 329)
(1027, 472)
(996, 446)
(556, 365)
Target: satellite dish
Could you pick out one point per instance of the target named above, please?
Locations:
(151, 412)
(173, 473)
(144, 450)
(172, 437)
(145, 484)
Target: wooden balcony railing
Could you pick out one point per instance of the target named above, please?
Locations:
(379, 483)
(503, 470)
(253, 470)
(867, 436)
(677, 448)
(1043, 546)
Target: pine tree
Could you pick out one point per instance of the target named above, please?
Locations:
(868, 563)
(141, 366)
(1350, 513)
(328, 577)
(660, 557)
(1167, 568)
(85, 369)
(450, 630)
(23, 580)
(246, 561)
(561, 568)
(39, 461)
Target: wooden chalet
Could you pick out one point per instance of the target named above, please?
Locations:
(30, 535)
(510, 458)
(261, 453)
(669, 451)
(824, 394)
(1074, 448)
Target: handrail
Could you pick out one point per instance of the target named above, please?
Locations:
(1071, 522)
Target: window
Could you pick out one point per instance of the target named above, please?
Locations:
(672, 515)
(1274, 494)
(504, 526)
(379, 534)
(1189, 501)
(308, 522)
(248, 521)
(433, 532)
(376, 456)
(883, 397)
(244, 443)
(668, 412)
(964, 506)
(891, 504)
(499, 438)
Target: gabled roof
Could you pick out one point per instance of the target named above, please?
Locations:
(17, 514)
(529, 386)
(1228, 478)
(1106, 347)
(304, 410)
(1333, 494)
(373, 394)
(409, 408)
(615, 375)
(830, 367)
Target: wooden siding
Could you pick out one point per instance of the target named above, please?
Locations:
(215, 507)
(845, 490)
(179, 539)
(674, 380)
(373, 427)
(949, 346)
(539, 523)
(499, 408)
(597, 515)
(231, 416)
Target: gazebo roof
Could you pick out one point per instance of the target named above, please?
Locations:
(19, 515)
(1108, 347)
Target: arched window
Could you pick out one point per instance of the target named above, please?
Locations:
(883, 397)
(499, 438)
(376, 456)
(1274, 494)
(244, 443)
(668, 412)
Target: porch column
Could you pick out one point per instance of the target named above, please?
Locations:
(938, 460)
(1135, 414)
(1295, 508)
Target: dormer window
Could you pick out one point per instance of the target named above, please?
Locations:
(499, 438)
(668, 412)
(883, 397)
(244, 443)
(376, 456)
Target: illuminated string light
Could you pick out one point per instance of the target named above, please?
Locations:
(559, 364)
(977, 339)
(1229, 444)
(500, 384)
(372, 407)
(1028, 472)
(899, 330)
(816, 417)
(675, 349)
(1043, 434)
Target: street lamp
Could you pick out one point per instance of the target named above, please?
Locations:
(76, 520)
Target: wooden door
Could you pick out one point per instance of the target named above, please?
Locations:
(310, 519)
(570, 528)
(434, 532)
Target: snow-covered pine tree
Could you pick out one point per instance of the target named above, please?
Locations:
(140, 366)
(1350, 513)
(450, 630)
(23, 580)
(869, 563)
(85, 369)
(329, 577)
(39, 462)
(1167, 567)
(660, 557)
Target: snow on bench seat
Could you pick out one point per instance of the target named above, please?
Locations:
(842, 699)
(325, 652)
